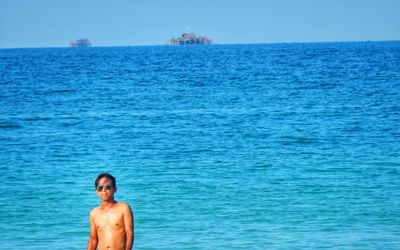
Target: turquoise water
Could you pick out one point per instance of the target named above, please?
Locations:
(281, 146)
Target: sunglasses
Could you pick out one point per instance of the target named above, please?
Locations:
(100, 188)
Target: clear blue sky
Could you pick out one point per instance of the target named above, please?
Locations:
(54, 23)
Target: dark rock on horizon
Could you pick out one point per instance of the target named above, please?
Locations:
(189, 39)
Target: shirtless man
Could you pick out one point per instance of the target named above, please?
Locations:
(111, 223)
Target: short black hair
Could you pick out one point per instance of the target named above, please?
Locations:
(105, 175)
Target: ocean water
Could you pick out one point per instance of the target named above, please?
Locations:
(279, 146)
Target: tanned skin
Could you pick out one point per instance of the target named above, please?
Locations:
(111, 223)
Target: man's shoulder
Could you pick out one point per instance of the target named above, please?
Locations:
(123, 205)
(94, 211)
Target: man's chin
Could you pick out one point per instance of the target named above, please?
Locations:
(107, 199)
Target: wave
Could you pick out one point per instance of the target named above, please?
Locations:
(9, 125)
(61, 91)
(36, 118)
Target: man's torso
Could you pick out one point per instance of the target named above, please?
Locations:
(110, 228)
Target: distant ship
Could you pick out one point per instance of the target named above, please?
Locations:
(189, 39)
(80, 43)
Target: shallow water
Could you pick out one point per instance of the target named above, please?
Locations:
(276, 146)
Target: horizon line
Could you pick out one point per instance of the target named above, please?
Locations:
(159, 45)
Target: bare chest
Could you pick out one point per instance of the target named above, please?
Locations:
(109, 220)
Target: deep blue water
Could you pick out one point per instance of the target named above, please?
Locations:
(281, 146)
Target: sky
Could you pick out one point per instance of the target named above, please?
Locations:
(55, 23)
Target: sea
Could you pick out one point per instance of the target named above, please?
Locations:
(259, 146)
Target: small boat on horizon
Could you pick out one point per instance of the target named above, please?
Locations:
(81, 43)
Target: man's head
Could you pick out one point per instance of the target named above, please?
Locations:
(105, 187)
(107, 176)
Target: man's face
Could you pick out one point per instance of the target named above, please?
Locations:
(105, 189)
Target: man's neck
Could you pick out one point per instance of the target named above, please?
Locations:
(109, 203)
